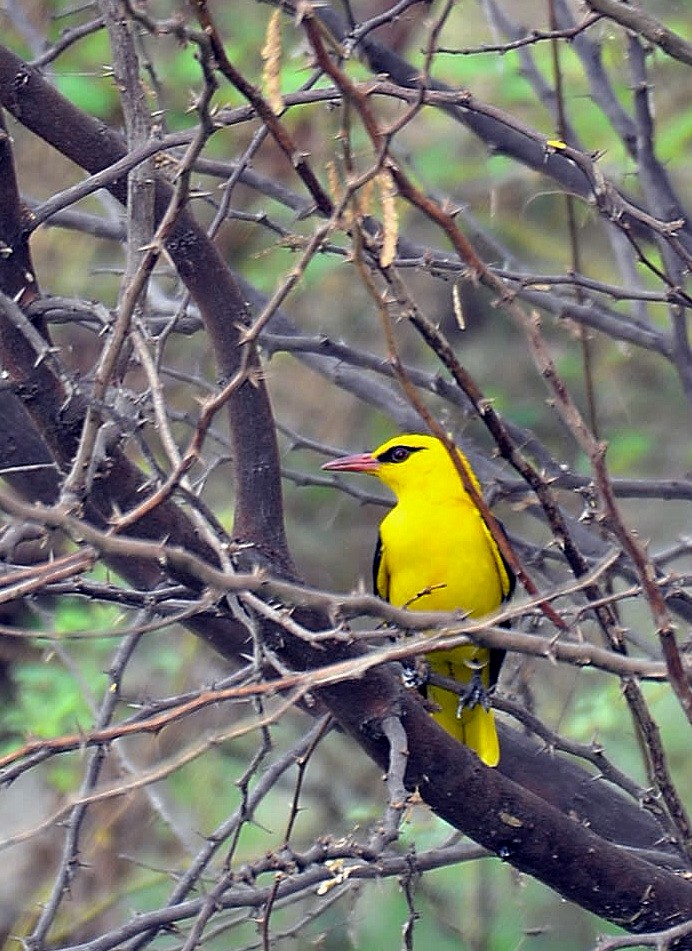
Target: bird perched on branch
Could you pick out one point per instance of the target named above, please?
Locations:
(436, 553)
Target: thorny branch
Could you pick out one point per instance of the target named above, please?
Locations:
(478, 270)
(206, 575)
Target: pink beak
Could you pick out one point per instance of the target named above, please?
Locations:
(361, 462)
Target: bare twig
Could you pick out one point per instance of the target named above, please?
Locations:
(641, 21)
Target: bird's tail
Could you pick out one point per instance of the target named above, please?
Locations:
(474, 727)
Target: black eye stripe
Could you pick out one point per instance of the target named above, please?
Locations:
(398, 453)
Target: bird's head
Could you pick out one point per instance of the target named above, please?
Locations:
(408, 463)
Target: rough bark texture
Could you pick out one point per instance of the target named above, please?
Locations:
(530, 811)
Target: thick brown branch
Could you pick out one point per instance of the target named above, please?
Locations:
(39, 107)
(641, 21)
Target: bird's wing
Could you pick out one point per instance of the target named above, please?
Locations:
(508, 580)
(380, 574)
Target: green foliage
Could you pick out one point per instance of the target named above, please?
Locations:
(50, 701)
(483, 904)
(52, 691)
(80, 80)
(93, 94)
(674, 140)
(627, 450)
(74, 615)
(596, 713)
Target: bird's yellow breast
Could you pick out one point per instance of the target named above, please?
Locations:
(439, 557)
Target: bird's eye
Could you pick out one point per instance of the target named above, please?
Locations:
(398, 453)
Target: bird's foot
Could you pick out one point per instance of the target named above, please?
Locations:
(415, 674)
(475, 694)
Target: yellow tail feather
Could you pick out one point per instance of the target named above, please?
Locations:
(474, 728)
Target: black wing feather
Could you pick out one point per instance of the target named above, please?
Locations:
(376, 562)
(497, 655)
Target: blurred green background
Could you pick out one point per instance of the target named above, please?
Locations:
(516, 214)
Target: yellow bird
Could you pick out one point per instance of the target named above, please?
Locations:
(436, 553)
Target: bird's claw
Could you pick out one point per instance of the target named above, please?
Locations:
(414, 675)
(474, 695)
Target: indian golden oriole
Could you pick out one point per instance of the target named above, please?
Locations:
(436, 553)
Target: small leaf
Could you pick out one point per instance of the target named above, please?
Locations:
(458, 309)
(390, 221)
(271, 54)
(335, 188)
(366, 197)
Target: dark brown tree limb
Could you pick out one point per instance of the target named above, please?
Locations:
(91, 145)
(632, 17)
(493, 809)
(16, 268)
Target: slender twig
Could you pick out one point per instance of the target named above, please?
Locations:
(69, 863)
(575, 249)
(67, 39)
(531, 39)
(660, 940)
(278, 131)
